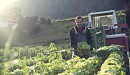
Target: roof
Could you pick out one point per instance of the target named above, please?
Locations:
(102, 12)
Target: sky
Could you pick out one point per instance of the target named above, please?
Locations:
(5, 3)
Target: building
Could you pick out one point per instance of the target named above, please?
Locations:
(5, 21)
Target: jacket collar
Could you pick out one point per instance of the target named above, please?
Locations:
(78, 29)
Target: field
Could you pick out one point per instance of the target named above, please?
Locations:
(52, 59)
(56, 60)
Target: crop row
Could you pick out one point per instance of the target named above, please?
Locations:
(53, 63)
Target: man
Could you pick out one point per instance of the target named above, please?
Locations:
(79, 34)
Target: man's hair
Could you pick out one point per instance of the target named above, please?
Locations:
(78, 17)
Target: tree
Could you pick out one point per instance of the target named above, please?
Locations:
(42, 20)
(127, 10)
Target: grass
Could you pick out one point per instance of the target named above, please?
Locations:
(58, 32)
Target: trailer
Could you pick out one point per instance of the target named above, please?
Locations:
(107, 28)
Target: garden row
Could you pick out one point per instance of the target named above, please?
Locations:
(107, 60)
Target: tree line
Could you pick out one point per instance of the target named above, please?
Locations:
(61, 9)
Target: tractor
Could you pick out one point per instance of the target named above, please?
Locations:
(107, 28)
(114, 29)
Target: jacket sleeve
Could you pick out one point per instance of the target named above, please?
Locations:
(73, 39)
(89, 37)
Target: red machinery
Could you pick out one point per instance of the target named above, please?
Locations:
(112, 32)
(107, 28)
(119, 39)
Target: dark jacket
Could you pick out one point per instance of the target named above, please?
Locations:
(83, 36)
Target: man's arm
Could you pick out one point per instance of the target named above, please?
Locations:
(89, 37)
(73, 39)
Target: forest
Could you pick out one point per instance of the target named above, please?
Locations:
(61, 9)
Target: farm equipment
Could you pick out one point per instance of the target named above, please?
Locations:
(107, 28)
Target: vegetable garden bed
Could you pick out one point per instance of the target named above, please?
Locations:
(107, 60)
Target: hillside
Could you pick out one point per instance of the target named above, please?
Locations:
(61, 9)
(57, 32)
(43, 32)
(55, 27)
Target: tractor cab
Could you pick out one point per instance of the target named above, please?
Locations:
(104, 18)
(107, 28)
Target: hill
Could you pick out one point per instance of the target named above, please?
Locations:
(61, 9)
(56, 31)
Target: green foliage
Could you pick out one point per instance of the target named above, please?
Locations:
(16, 66)
(1, 68)
(66, 54)
(18, 71)
(30, 62)
(24, 65)
(78, 66)
(83, 48)
(53, 47)
(47, 62)
(106, 50)
(121, 18)
(113, 65)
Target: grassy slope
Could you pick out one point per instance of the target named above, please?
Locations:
(57, 32)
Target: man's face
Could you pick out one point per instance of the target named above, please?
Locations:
(79, 22)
